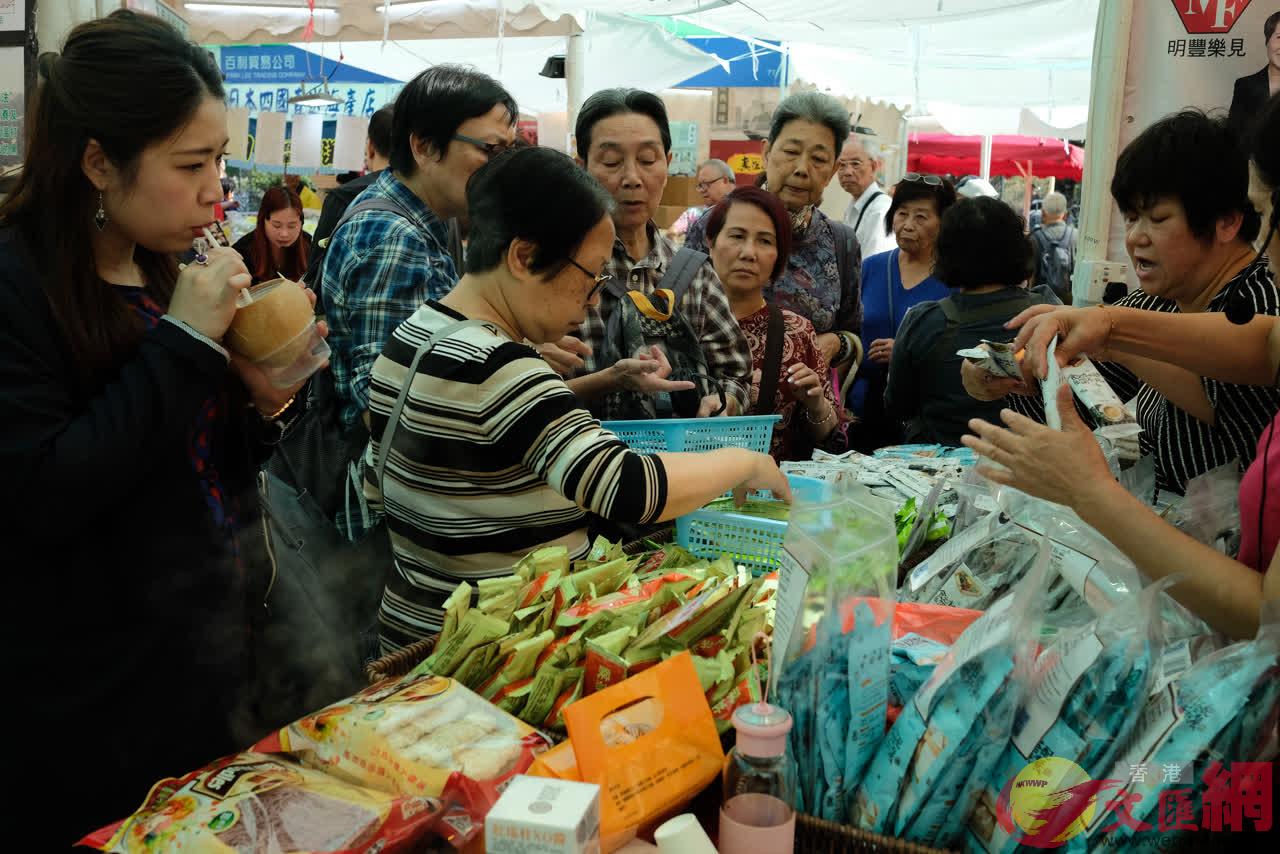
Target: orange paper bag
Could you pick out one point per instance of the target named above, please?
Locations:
(664, 767)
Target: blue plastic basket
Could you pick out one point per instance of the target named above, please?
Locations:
(753, 432)
(752, 542)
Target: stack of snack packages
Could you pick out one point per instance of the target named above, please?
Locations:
(830, 661)
(555, 631)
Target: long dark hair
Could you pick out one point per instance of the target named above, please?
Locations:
(127, 81)
(295, 256)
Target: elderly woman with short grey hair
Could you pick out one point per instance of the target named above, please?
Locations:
(821, 282)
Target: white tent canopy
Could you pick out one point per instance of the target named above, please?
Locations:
(939, 56)
(668, 61)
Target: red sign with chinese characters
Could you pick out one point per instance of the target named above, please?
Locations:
(1210, 16)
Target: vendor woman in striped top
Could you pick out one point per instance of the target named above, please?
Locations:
(492, 455)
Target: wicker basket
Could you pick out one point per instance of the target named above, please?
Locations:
(813, 835)
(399, 663)
(817, 836)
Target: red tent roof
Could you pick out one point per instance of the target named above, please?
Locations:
(942, 153)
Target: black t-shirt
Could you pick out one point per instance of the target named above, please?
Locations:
(925, 390)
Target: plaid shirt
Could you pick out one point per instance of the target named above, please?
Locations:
(378, 269)
(705, 305)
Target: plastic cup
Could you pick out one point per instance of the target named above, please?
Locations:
(276, 330)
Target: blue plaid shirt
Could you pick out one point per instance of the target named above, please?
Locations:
(378, 269)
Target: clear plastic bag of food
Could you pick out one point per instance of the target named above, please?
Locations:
(831, 647)
(411, 737)
(955, 725)
(264, 804)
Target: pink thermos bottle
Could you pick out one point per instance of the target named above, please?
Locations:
(759, 784)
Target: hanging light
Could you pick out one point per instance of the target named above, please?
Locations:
(320, 96)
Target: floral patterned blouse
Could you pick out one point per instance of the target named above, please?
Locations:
(811, 285)
(792, 438)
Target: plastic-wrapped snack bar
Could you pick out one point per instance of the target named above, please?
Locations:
(914, 658)
(1103, 404)
(934, 730)
(269, 804)
(1078, 705)
(410, 736)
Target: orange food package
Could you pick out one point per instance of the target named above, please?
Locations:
(651, 761)
(255, 802)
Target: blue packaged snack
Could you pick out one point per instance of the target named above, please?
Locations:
(1078, 706)
(1223, 709)
(933, 733)
(913, 659)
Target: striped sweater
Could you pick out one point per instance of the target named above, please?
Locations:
(493, 457)
(1183, 446)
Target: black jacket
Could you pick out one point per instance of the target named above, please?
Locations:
(130, 624)
(1247, 99)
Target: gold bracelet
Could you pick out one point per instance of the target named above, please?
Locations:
(831, 410)
(281, 411)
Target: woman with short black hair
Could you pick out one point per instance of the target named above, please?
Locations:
(489, 455)
(984, 256)
(1183, 187)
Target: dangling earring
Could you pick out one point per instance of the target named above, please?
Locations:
(100, 218)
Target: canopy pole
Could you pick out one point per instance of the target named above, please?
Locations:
(575, 79)
(984, 162)
(1106, 116)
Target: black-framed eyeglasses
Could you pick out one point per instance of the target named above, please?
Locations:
(599, 278)
(702, 185)
(917, 178)
(490, 149)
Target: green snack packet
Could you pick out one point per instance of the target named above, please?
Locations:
(508, 643)
(537, 618)
(539, 589)
(638, 657)
(542, 561)
(602, 550)
(518, 664)
(475, 668)
(713, 671)
(711, 617)
(547, 686)
(512, 698)
(473, 630)
(751, 623)
(455, 608)
(555, 718)
(499, 596)
(602, 578)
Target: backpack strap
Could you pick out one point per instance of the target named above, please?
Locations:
(863, 212)
(772, 366)
(393, 421)
(681, 272)
(380, 203)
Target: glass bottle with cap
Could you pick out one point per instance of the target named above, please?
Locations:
(759, 784)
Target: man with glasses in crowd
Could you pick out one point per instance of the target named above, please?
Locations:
(715, 181)
(860, 161)
(391, 252)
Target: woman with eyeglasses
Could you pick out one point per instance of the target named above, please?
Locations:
(821, 282)
(489, 455)
(893, 282)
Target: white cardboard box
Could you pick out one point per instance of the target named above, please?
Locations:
(539, 815)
